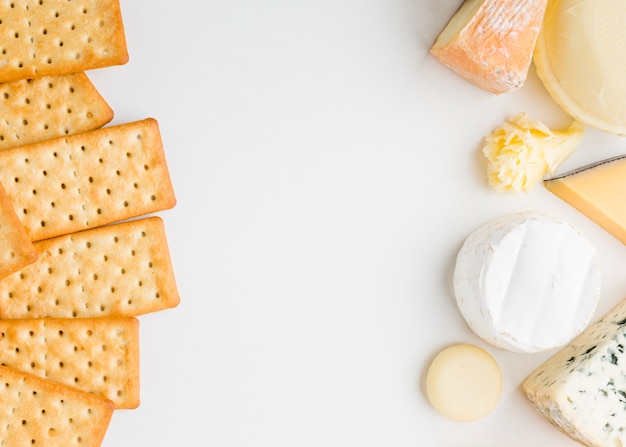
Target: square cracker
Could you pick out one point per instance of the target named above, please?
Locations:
(17, 248)
(96, 355)
(44, 108)
(117, 270)
(52, 37)
(86, 180)
(39, 412)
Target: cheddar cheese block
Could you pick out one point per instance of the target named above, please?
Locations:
(597, 191)
(581, 58)
(582, 388)
(490, 42)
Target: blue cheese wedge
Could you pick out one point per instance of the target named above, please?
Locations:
(582, 388)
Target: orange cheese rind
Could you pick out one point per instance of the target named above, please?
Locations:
(490, 42)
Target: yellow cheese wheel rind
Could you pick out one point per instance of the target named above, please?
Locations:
(580, 57)
(464, 383)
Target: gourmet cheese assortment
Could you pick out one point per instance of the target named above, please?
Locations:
(82, 258)
(528, 282)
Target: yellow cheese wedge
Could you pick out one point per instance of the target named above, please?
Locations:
(597, 191)
(491, 42)
(581, 58)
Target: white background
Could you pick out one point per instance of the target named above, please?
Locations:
(327, 170)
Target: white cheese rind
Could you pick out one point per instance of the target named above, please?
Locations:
(582, 388)
(527, 282)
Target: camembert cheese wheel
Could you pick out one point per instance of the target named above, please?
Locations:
(491, 42)
(581, 58)
(527, 282)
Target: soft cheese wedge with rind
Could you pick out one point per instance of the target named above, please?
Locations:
(490, 42)
(597, 191)
(580, 57)
(527, 282)
(582, 388)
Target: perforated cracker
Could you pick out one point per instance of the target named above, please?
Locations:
(51, 37)
(97, 355)
(39, 412)
(117, 270)
(86, 180)
(44, 108)
(17, 249)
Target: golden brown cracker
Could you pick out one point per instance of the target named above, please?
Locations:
(52, 37)
(39, 412)
(40, 109)
(97, 355)
(17, 248)
(86, 180)
(116, 270)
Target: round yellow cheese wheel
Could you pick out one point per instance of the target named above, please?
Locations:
(580, 56)
(464, 383)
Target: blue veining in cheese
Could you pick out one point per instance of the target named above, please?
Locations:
(582, 388)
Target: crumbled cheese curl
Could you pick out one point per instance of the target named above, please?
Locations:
(522, 151)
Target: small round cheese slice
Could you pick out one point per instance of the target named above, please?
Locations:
(464, 383)
(527, 282)
(580, 56)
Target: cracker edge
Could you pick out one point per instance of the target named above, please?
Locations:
(98, 432)
(23, 239)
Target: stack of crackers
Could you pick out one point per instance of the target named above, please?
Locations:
(83, 252)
